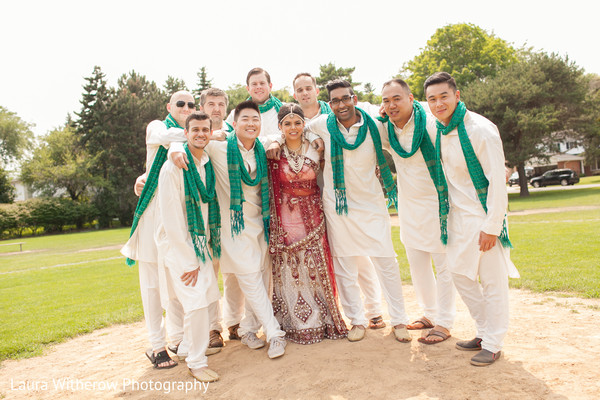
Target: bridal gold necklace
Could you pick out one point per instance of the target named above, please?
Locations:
(295, 157)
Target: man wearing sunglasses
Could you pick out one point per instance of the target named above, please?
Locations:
(358, 223)
(142, 246)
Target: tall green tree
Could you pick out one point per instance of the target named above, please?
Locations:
(236, 93)
(203, 82)
(283, 94)
(173, 85)
(465, 51)
(60, 162)
(136, 102)
(15, 136)
(368, 94)
(91, 120)
(590, 124)
(528, 101)
(328, 72)
(7, 191)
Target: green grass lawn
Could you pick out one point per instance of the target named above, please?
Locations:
(588, 180)
(64, 285)
(55, 290)
(555, 198)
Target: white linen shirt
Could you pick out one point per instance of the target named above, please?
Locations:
(174, 241)
(467, 216)
(247, 252)
(418, 204)
(365, 231)
(141, 245)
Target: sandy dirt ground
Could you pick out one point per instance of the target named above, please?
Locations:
(551, 352)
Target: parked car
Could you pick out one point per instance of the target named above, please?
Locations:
(563, 177)
(514, 178)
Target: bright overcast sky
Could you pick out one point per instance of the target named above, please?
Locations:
(48, 47)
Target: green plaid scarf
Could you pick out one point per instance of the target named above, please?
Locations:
(193, 186)
(272, 102)
(421, 140)
(325, 109)
(338, 143)
(238, 174)
(476, 173)
(151, 183)
(228, 127)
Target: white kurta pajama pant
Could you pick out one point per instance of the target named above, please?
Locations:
(420, 227)
(175, 243)
(245, 256)
(142, 247)
(365, 231)
(486, 298)
(234, 298)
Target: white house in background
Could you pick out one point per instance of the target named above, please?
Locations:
(22, 191)
(569, 154)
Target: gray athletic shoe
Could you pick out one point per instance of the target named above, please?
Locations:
(485, 357)
(277, 347)
(469, 345)
(252, 341)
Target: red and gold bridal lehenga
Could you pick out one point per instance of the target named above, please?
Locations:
(304, 294)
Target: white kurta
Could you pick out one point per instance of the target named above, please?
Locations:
(467, 217)
(365, 231)
(268, 122)
(417, 197)
(175, 242)
(141, 245)
(245, 253)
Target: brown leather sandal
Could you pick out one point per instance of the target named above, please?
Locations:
(421, 323)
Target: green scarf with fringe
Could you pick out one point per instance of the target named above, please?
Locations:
(476, 173)
(270, 103)
(196, 191)
(151, 183)
(421, 140)
(238, 174)
(338, 143)
(325, 109)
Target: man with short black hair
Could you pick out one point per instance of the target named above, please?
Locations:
(188, 225)
(358, 222)
(214, 102)
(473, 182)
(141, 245)
(408, 134)
(242, 189)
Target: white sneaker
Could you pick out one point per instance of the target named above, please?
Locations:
(252, 341)
(277, 347)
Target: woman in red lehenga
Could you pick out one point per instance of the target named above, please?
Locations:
(304, 292)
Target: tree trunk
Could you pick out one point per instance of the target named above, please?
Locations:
(522, 180)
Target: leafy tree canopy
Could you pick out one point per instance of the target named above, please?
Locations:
(528, 101)
(329, 72)
(15, 136)
(60, 162)
(465, 51)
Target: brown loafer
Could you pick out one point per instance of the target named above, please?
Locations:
(215, 339)
(233, 332)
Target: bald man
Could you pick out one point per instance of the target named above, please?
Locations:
(142, 246)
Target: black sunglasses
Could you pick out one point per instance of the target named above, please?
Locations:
(182, 103)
